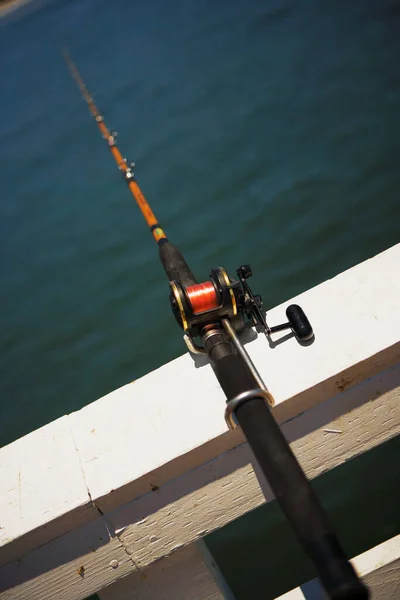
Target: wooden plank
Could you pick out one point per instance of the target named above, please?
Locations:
(182, 576)
(181, 512)
(378, 567)
(41, 481)
(69, 568)
(219, 491)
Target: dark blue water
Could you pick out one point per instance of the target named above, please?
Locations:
(264, 132)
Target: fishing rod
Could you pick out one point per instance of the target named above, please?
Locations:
(212, 314)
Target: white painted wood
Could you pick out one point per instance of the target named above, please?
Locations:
(214, 570)
(70, 567)
(219, 491)
(166, 433)
(378, 567)
(182, 576)
(41, 482)
(181, 512)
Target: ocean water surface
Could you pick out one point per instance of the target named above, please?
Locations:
(263, 132)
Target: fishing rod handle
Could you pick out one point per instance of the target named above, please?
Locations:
(174, 264)
(291, 487)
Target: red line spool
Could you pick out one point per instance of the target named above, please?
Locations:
(202, 297)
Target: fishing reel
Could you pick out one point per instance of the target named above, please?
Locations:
(219, 298)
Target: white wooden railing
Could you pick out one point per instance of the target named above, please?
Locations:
(129, 485)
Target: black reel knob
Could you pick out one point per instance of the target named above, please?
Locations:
(299, 323)
(244, 271)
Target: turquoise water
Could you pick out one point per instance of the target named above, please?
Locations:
(265, 133)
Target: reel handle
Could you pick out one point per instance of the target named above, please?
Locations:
(297, 322)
